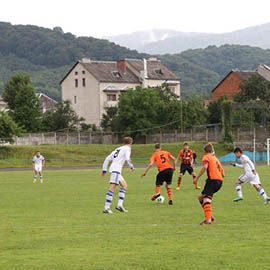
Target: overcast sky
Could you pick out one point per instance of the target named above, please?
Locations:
(111, 17)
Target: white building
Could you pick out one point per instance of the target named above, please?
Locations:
(92, 86)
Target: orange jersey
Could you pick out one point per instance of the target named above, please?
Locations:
(162, 160)
(186, 156)
(214, 168)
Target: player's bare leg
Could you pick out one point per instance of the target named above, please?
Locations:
(109, 198)
(238, 188)
(195, 182)
(262, 192)
(169, 192)
(122, 194)
(179, 181)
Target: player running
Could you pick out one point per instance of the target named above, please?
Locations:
(118, 157)
(38, 163)
(215, 174)
(186, 156)
(250, 176)
(162, 159)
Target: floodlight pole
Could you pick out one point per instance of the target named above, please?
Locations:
(254, 146)
(268, 149)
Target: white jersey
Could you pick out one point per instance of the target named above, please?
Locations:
(38, 160)
(118, 157)
(246, 164)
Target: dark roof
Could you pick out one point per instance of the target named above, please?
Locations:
(243, 74)
(108, 72)
(155, 70)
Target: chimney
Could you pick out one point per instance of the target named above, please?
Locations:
(86, 60)
(144, 73)
(122, 65)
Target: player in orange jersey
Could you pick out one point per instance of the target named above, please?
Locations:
(215, 175)
(162, 159)
(186, 156)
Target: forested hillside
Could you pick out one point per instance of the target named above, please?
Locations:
(47, 54)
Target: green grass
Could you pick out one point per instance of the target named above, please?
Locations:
(59, 225)
(84, 155)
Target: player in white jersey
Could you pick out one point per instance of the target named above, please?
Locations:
(117, 158)
(38, 162)
(249, 176)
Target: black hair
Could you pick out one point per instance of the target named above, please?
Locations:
(238, 150)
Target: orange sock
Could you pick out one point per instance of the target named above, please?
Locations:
(169, 192)
(158, 189)
(207, 208)
(179, 181)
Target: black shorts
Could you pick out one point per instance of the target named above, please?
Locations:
(186, 168)
(211, 187)
(164, 176)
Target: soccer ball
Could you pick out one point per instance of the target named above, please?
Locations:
(160, 199)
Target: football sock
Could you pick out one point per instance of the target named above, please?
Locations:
(109, 198)
(179, 181)
(239, 191)
(207, 208)
(122, 194)
(35, 178)
(169, 192)
(158, 189)
(262, 192)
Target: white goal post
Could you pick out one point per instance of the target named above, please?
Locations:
(268, 151)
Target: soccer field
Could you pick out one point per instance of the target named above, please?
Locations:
(60, 225)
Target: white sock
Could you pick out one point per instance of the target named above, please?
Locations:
(35, 178)
(108, 200)
(122, 194)
(262, 193)
(239, 191)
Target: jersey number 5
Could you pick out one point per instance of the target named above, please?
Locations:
(163, 159)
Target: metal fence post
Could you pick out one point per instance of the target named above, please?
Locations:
(206, 134)
(79, 137)
(55, 138)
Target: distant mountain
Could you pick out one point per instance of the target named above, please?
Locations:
(140, 39)
(48, 54)
(177, 42)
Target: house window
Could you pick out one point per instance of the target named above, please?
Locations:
(76, 72)
(111, 97)
(158, 72)
(75, 99)
(83, 82)
(76, 83)
(116, 74)
(83, 72)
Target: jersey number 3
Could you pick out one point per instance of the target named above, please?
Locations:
(116, 153)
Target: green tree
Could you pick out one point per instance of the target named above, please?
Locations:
(143, 108)
(64, 117)
(8, 128)
(194, 112)
(23, 103)
(108, 118)
(227, 121)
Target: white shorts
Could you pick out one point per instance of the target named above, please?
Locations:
(38, 168)
(250, 178)
(116, 178)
